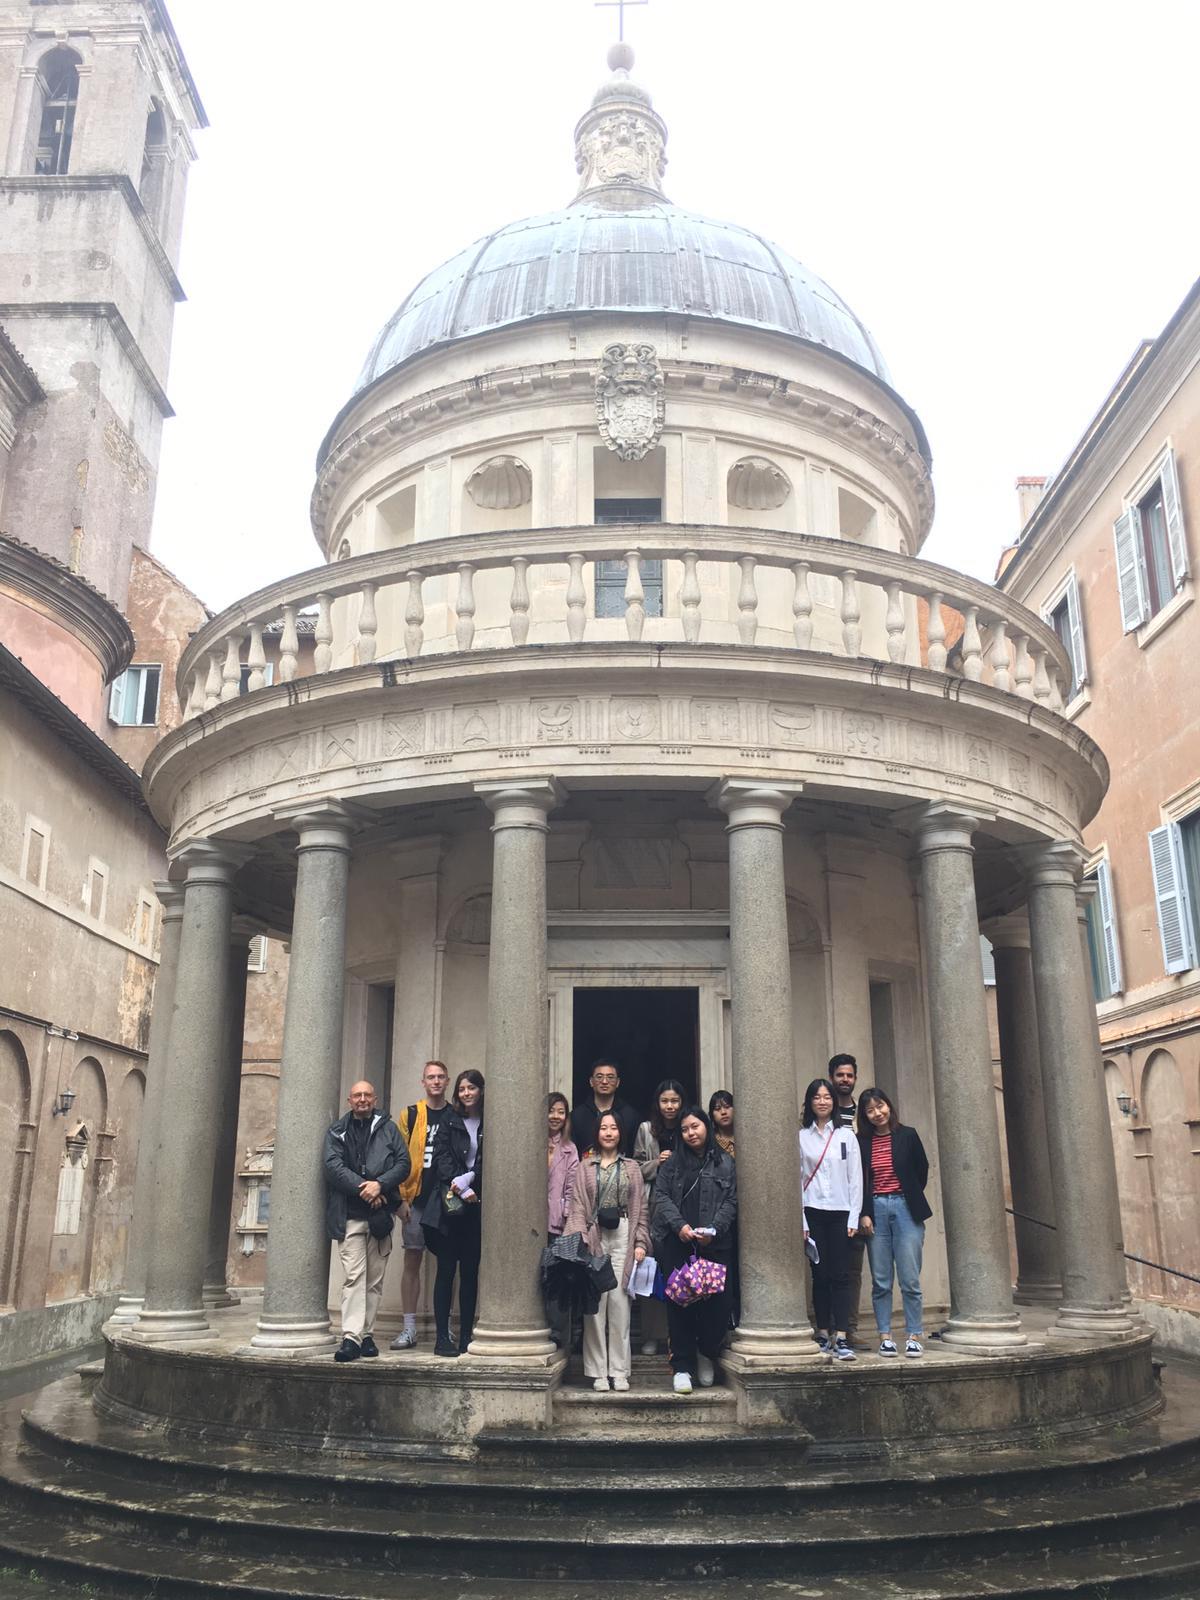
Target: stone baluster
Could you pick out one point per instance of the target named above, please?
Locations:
(464, 607)
(190, 1111)
(576, 600)
(635, 595)
(512, 1323)
(972, 648)
(895, 623)
(1057, 702)
(216, 1268)
(212, 683)
(747, 601)
(1038, 1279)
(1001, 671)
(368, 626)
(802, 626)
(1023, 667)
(689, 597)
(936, 632)
(231, 670)
(289, 646)
(1078, 1135)
(256, 659)
(851, 613)
(518, 622)
(982, 1317)
(145, 1183)
(414, 617)
(1041, 677)
(770, 1232)
(195, 703)
(323, 654)
(295, 1313)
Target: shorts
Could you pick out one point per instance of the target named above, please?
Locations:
(411, 1235)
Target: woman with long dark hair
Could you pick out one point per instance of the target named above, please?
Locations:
(894, 1211)
(720, 1109)
(452, 1219)
(831, 1194)
(562, 1168)
(695, 1212)
(656, 1138)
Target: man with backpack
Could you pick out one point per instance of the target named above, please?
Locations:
(419, 1124)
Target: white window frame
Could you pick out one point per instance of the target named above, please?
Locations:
(1133, 590)
(1067, 588)
(42, 829)
(1172, 902)
(96, 869)
(116, 695)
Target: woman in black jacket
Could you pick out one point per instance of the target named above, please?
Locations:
(451, 1220)
(895, 1172)
(695, 1211)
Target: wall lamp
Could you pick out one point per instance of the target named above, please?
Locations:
(66, 1099)
(1126, 1104)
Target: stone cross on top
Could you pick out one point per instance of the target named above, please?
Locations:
(620, 10)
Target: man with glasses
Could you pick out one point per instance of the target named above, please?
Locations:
(605, 1080)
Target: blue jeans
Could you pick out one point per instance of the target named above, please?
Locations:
(895, 1246)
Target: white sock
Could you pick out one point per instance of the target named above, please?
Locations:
(410, 1322)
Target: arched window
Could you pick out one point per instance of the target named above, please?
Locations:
(58, 83)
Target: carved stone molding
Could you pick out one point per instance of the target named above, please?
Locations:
(756, 484)
(630, 399)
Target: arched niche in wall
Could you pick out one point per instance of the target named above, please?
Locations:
(14, 1156)
(1163, 1107)
(496, 495)
(52, 121)
(758, 494)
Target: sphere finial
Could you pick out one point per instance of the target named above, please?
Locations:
(620, 57)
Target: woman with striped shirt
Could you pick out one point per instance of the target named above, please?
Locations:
(895, 1172)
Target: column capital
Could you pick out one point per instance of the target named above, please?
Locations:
(1086, 890)
(209, 860)
(751, 804)
(1009, 932)
(322, 825)
(522, 804)
(941, 825)
(170, 898)
(1059, 862)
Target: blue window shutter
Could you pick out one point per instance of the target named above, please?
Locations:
(1108, 928)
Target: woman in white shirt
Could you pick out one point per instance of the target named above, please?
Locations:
(831, 1190)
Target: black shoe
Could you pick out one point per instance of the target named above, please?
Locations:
(445, 1346)
(368, 1347)
(465, 1335)
(348, 1350)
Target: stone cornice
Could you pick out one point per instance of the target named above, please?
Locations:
(1127, 416)
(70, 600)
(122, 332)
(424, 413)
(117, 182)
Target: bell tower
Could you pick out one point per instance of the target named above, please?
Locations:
(97, 115)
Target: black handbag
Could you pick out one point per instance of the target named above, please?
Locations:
(609, 1217)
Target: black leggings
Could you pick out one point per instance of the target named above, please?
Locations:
(456, 1249)
(831, 1275)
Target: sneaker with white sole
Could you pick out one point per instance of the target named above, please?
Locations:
(705, 1372)
(682, 1383)
(822, 1342)
(650, 1348)
(887, 1347)
(913, 1347)
(406, 1339)
(842, 1351)
(600, 1385)
(621, 1385)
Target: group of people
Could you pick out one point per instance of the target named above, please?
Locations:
(663, 1186)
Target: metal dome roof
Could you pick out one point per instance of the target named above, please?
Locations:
(648, 257)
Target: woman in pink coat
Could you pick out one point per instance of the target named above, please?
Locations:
(563, 1163)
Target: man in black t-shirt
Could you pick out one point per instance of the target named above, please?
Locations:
(605, 1082)
(843, 1071)
(418, 1125)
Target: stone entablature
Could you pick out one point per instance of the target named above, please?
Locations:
(867, 732)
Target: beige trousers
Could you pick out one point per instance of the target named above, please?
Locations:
(364, 1262)
(606, 1335)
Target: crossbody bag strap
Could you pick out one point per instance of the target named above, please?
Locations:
(817, 1168)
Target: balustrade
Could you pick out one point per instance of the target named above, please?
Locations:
(993, 640)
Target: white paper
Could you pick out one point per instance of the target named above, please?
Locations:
(641, 1279)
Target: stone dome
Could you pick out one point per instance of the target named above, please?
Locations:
(644, 256)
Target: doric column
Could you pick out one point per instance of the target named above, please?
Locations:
(512, 1323)
(982, 1317)
(1077, 1129)
(1038, 1281)
(189, 1115)
(216, 1266)
(770, 1225)
(144, 1184)
(295, 1313)
(1085, 892)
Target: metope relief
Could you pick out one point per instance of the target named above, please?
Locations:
(404, 736)
(793, 725)
(474, 726)
(979, 758)
(339, 745)
(925, 745)
(862, 734)
(634, 719)
(554, 720)
(716, 720)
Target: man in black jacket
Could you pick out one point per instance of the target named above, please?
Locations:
(365, 1159)
(605, 1081)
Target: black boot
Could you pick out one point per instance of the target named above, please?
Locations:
(445, 1346)
(348, 1350)
(368, 1346)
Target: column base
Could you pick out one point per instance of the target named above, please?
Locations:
(160, 1327)
(216, 1295)
(286, 1335)
(515, 1346)
(1094, 1322)
(985, 1336)
(1037, 1292)
(772, 1344)
(128, 1310)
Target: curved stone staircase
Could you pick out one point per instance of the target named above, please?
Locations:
(629, 1495)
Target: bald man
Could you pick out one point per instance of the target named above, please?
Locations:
(365, 1162)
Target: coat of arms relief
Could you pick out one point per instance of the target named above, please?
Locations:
(630, 399)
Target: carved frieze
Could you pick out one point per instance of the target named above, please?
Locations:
(634, 717)
(555, 720)
(630, 399)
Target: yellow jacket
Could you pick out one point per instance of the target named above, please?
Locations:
(414, 1138)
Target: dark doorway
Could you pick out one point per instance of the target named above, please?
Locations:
(651, 1034)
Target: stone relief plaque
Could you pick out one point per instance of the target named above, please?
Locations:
(716, 720)
(1018, 772)
(404, 736)
(794, 725)
(291, 758)
(474, 726)
(979, 758)
(925, 745)
(630, 399)
(555, 720)
(862, 734)
(339, 745)
(632, 863)
(635, 718)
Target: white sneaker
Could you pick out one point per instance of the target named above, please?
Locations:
(600, 1385)
(621, 1385)
(650, 1348)
(705, 1372)
(913, 1347)
(887, 1345)
(406, 1339)
(682, 1383)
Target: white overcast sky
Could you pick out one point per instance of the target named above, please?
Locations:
(1005, 194)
